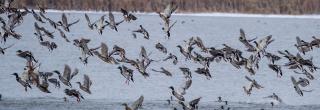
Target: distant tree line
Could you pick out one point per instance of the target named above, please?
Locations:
(229, 6)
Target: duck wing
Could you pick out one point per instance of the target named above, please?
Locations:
(67, 72)
(87, 82)
(104, 49)
(138, 103)
(74, 73)
(249, 79)
(87, 18)
(64, 19)
(170, 9)
(73, 22)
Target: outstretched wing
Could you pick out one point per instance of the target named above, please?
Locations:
(249, 79)
(67, 72)
(73, 23)
(64, 19)
(87, 18)
(170, 9)
(74, 73)
(138, 103)
(104, 49)
(123, 11)
(87, 82)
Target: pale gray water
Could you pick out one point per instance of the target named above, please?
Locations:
(110, 91)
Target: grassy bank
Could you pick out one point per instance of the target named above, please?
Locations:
(227, 6)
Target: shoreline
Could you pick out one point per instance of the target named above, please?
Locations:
(213, 14)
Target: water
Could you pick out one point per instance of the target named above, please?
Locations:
(109, 90)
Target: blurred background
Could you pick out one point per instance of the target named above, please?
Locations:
(292, 7)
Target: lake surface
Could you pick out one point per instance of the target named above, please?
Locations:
(109, 90)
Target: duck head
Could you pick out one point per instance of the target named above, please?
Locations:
(171, 88)
(15, 74)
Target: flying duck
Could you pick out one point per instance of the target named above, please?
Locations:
(128, 16)
(74, 93)
(276, 68)
(112, 23)
(161, 48)
(135, 105)
(171, 56)
(142, 31)
(85, 86)
(64, 22)
(275, 97)
(165, 16)
(23, 83)
(67, 75)
(176, 94)
(126, 73)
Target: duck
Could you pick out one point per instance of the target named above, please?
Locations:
(186, 72)
(83, 45)
(74, 93)
(176, 94)
(302, 46)
(296, 86)
(100, 24)
(64, 22)
(275, 97)
(171, 56)
(135, 105)
(25, 84)
(165, 16)
(112, 23)
(86, 84)
(104, 55)
(90, 25)
(142, 67)
(127, 16)
(247, 91)
(142, 31)
(204, 71)
(126, 73)
(262, 44)
(276, 68)
(243, 40)
(194, 103)
(161, 48)
(50, 45)
(67, 75)
(185, 51)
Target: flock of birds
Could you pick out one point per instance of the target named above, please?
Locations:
(32, 77)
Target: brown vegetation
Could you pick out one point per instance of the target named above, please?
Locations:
(230, 6)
